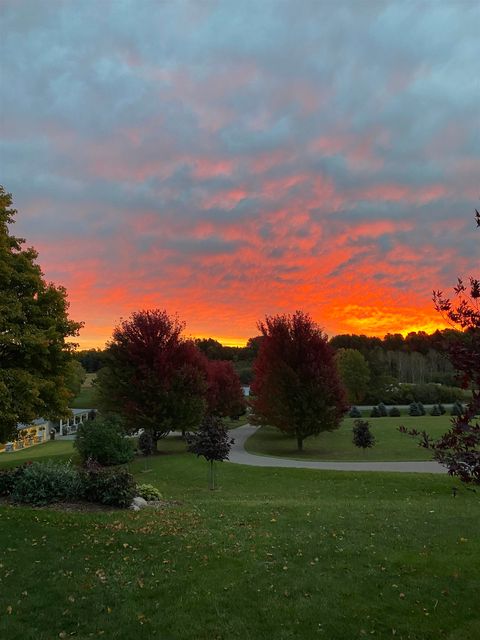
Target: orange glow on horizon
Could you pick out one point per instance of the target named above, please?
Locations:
(369, 325)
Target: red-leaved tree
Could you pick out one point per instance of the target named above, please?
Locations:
(224, 391)
(459, 448)
(155, 378)
(296, 386)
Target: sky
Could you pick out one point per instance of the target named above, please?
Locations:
(225, 160)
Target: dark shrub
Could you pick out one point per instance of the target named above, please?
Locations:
(414, 410)
(354, 413)
(421, 409)
(45, 482)
(362, 436)
(435, 411)
(212, 442)
(382, 410)
(394, 412)
(113, 487)
(103, 440)
(457, 409)
(375, 413)
(146, 443)
(9, 478)
(442, 409)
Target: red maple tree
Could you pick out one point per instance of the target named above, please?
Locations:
(459, 448)
(296, 386)
(224, 391)
(155, 378)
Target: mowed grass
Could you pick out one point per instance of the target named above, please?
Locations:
(85, 399)
(390, 444)
(274, 553)
(59, 450)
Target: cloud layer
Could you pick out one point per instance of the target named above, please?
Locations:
(225, 160)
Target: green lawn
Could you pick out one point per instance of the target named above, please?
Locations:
(275, 553)
(60, 450)
(337, 445)
(85, 399)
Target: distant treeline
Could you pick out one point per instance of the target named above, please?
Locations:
(418, 358)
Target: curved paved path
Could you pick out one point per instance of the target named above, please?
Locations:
(238, 455)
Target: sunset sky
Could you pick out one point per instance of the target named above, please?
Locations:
(230, 159)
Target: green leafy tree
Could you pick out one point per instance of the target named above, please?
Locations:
(35, 358)
(296, 386)
(75, 377)
(354, 372)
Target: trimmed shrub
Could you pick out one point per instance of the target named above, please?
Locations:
(375, 413)
(42, 483)
(421, 408)
(382, 410)
(354, 413)
(442, 409)
(414, 410)
(457, 409)
(113, 487)
(435, 411)
(394, 412)
(148, 492)
(103, 440)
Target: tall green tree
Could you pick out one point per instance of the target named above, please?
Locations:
(354, 372)
(35, 359)
(296, 387)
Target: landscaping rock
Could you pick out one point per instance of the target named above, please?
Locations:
(138, 503)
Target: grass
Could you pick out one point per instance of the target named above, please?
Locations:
(274, 553)
(89, 379)
(338, 445)
(85, 399)
(233, 424)
(60, 450)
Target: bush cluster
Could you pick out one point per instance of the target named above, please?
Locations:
(148, 492)
(112, 487)
(416, 409)
(379, 411)
(41, 483)
(354, 412)
(9, 478)
(429, 393)
(457, 409)
(104, 440)
(437, 410)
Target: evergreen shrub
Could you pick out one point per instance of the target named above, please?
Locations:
(394, 412)
(354, 413)
(103, 440)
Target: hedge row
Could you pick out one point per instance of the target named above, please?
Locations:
(41, 483)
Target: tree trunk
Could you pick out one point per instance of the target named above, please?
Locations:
(300, 443)
(212, 476)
